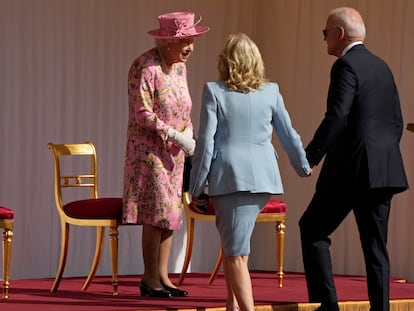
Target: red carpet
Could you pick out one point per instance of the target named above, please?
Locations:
(34, 294)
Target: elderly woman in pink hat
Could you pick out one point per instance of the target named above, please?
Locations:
(159, 136)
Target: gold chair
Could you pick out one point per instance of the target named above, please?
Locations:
(274, 211)
(90, 211)
(191, 216)
(7, 224)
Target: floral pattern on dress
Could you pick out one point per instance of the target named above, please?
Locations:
(153, 172)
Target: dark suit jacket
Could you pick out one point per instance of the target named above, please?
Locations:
(362, 127)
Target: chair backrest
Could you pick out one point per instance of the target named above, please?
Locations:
(80, 175)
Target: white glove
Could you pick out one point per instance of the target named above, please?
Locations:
(182, 140)
(188, 132)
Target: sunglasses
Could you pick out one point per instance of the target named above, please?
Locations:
(326, 31)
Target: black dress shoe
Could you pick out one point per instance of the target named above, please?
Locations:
(150, 292)
(176, 292)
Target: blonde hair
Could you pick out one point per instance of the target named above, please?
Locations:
(240, 64)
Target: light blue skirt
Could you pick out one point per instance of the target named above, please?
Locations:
(236, 215)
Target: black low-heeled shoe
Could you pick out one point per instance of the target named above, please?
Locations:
(150, 292)
(176, 292)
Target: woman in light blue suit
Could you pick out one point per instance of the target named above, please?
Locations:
(234, 155)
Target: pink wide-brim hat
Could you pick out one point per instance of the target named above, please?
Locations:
(178, 25)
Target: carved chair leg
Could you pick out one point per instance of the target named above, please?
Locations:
(217, 267)
(113, 241)
(280, 248)
(7, 248)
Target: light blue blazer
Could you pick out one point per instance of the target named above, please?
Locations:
(234, 150)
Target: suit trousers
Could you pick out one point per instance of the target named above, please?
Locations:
(325, 213)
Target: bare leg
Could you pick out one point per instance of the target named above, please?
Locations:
(232, 304)
(238, 277)
(151, 240)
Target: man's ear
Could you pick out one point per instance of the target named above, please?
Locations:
(341, 33)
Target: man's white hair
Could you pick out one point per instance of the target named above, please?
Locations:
(346, 18)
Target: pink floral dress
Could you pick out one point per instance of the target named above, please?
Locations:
(153, 172)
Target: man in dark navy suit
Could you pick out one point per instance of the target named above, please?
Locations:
(359, 137)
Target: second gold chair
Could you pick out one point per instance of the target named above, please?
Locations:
(90, 210)
(274, 211)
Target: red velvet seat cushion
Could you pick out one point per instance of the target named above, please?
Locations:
(273, 206)
(101, 208)
(6, 213)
